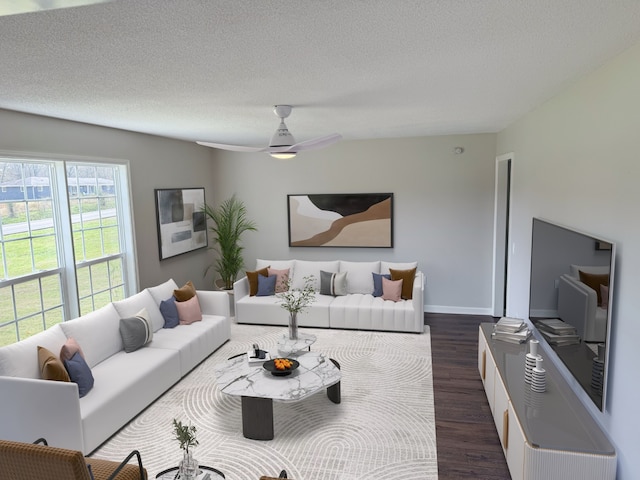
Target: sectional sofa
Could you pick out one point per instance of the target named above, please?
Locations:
(123, 383)
(357, 307)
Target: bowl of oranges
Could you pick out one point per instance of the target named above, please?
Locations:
(281, 367)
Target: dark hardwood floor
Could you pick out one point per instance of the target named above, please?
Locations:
(468, 444)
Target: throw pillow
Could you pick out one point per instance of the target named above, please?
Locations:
(266, 285)
(185, 292)
(70, 348)
(334, 284)
(136, 331)
(407, 277)
(80, 373)
(51, 368)
(281, 281)
(392, 289)
(594, 280)
(253, 279)
(169, 312)
(189, 311)
(604, 293)
(377, 283)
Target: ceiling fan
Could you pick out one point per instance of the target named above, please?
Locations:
(282, 145)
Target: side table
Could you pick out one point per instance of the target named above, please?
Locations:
(287, 346)
(172, 474)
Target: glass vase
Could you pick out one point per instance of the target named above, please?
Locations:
(293, 325)
(188, 467)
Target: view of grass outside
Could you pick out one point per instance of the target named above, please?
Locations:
(89, 243)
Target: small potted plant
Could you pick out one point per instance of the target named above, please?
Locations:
(186, 436)
(296, 300)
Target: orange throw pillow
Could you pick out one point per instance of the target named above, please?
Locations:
(184, 293)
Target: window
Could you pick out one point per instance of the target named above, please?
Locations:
(64, 250)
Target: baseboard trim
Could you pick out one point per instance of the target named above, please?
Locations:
(458, 310)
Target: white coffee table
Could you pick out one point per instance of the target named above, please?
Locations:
(258, 388)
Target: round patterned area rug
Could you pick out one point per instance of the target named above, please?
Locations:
(384, 429)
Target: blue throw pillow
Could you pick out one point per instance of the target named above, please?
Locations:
(80, 373)
(169, 312)
(266, 285)
(377, 283)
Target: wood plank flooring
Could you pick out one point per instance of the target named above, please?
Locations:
(467, 441)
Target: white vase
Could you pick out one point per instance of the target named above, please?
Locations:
(293, 325)
(188, 467)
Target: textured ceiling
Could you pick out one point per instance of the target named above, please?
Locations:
(211, 70)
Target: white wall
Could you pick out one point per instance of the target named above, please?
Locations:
(577, 163)
(443, 206)
(155, 162)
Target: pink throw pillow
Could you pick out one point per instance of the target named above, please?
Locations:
(69, 349)
(282, 276)
(391, 289)
(189, 311)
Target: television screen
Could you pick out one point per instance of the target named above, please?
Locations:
(571, 285)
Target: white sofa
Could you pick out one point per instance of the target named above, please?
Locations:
(124, 383)
(578, 304)
(359, 309)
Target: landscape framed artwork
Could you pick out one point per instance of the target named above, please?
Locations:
(341, 220)
(182, 225)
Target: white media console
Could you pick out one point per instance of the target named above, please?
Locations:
(544, 436)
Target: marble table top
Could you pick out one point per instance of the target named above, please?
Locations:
(237, 377)
(286, 346)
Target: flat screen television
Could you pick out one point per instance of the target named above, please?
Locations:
(572, 281)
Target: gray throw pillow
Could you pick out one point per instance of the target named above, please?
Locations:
(136, 331)
(334, 284)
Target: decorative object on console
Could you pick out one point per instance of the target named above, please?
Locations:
(296, 300)
(512, 330)
(186, 436)
(341, 220)
(530, 360)
(182, 227)
(229, 223)
(538, 377)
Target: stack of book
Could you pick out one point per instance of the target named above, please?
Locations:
(558, 332)
(512, 330)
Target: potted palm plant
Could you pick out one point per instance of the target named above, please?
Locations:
(228, 222)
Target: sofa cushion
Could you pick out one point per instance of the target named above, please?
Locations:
(392, 289)
(334, 284)
(407, 277)
(169, 312)
(281, 280)
(253, 279)
(20, 359)
(70, 348)
(266, 285)
(185, 292)
(360, 279)
(189, 311)
(97, 332)
(163, 291)
(377, 282)
(385, 266)
(51, 368)
(136, 331)
(80, 373)
(305, 268)
(132, 305)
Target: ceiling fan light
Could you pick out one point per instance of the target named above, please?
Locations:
(283, 155)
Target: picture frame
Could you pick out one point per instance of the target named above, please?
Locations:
(182, 225)
(352, 220)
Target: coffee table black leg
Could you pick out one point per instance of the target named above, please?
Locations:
(333, 392)
(257, 418)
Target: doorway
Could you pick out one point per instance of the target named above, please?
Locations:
(501, 234)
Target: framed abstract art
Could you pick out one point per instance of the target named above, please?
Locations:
(182, 226)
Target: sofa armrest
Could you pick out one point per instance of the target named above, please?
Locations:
(241, 288)
(33, 408)
(417, 297)
(577, 304)
(214, 302)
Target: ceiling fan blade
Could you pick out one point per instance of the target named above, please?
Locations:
(234, 148)
(314, 143)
